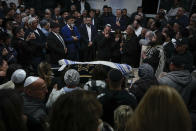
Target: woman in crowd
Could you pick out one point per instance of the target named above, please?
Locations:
(121, 115)
(11, 111)
(76, 111)
(161, 109)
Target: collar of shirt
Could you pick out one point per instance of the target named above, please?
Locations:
(165, 43)
(36, 31)
(69, 27)
(118, 18)
(21, 38)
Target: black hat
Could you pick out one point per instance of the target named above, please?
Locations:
(179, 61)
(184, 41)
(115, 75)
(54, 25)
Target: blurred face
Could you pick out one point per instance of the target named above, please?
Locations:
(180, 12)
(32, 11)
(139, 10)
(27, 11)
(21, 33)
(47, 15)
(124, 12)
(4, 66)
(84, 13)
(143, 33)
(129, 30)
(164, 30)
(34, 24)
(1, 22)
(56, 30)
(193, 16)
(176, 27)
(110, 10)
(97, 12)
(118, 13)
(150, 21)
(38, 89)
(135, 24)
(192, 19)
(73, 7)
(23, 15)
(70, 21)
(57, 11)
(178, 36)
(65, 14)
(18, 18)
(89, 21)
(92, 14)
(47, 27)
(107, 30)
(9, 26)
(105, 10)
(8, 41)
(11, 13)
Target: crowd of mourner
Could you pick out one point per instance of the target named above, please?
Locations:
(34, 95)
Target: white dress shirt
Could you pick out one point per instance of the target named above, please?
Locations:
(138, 31)
(36, 31)
(82, 7)
(93, 21)
(89, 32)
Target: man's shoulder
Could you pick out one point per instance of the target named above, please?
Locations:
(164, 79)
(65, 27)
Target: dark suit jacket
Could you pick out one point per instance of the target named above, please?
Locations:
(88, 52)
(104, 19)
(123, 23)
(131, 51)
(62, 22)
(38, 43)
(24, 50)
(68, 4)
(55, 48)
(103, 46)
(86, 6)
(96, 23)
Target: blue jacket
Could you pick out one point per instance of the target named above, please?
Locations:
(72, 45)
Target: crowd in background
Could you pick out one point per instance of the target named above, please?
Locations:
(34, 97)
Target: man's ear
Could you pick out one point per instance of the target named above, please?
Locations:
(27, 91)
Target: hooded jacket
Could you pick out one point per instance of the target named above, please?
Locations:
(176, 79)
(182, 81)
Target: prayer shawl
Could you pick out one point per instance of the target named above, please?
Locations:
(124, 68)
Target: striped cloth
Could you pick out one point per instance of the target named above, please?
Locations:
(124, 68)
